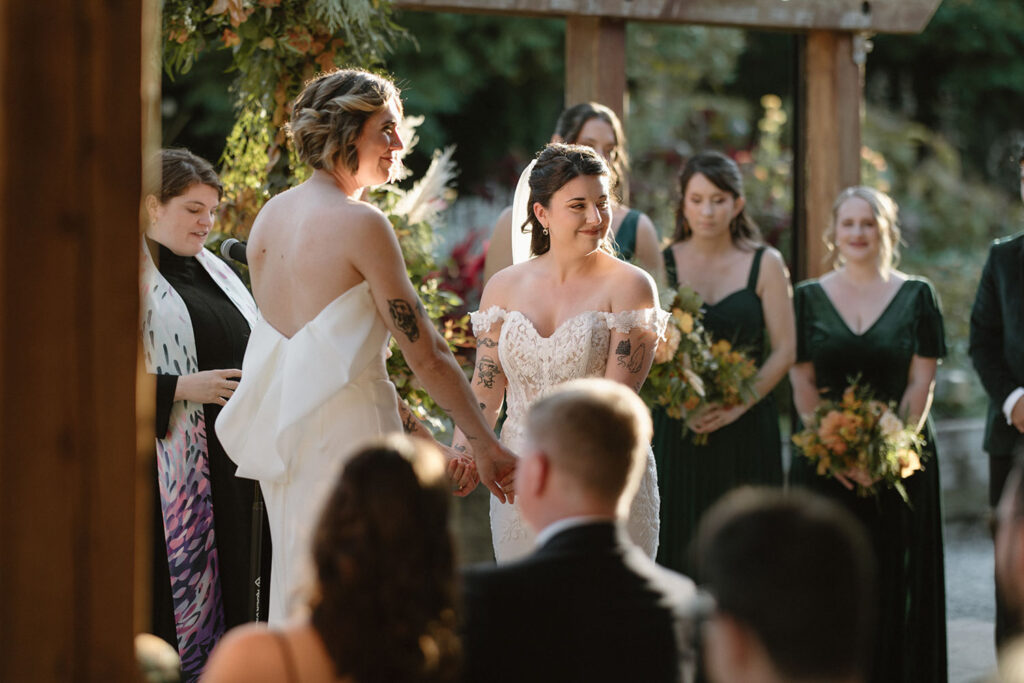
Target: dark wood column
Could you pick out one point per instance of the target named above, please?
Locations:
(71, 134)
(831, 138)
(595, 61)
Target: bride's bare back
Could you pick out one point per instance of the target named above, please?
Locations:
(303, 252)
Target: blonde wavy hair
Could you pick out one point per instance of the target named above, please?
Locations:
(328, 117)
(886, 213)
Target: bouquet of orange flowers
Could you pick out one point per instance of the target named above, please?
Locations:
(860, 434)
(690, 371)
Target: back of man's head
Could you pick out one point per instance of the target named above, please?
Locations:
(798, 572)
(596, 432)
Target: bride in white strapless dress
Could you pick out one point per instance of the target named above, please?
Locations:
(330, 281)
(572, 311)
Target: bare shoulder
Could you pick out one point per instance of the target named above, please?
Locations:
(630, 286)
(772, 261)
(501, 285)
(247, 653)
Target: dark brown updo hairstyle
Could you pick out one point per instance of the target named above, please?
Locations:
(385, 565)
(569, 126)
(180, 169)
(328, 117)
(556, 165)
(725, 175)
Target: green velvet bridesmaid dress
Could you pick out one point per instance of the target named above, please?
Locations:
(910, 646)
(748, 451)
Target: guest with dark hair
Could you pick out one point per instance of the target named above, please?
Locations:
(792, 578)
(587, 605)
(718, 252)
(197, 316)
(997, 334)
(384, 606)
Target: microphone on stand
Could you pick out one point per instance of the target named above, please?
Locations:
(234, 250)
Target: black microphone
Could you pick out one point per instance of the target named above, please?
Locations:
(233, 249)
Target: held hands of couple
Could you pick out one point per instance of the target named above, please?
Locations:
(208, 386)
(496, 466)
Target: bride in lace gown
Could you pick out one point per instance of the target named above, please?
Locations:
(573, 311)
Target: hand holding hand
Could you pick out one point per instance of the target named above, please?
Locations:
(461, 472)
(855, 475)
(208, 386)
(496, 466)
(715, 417)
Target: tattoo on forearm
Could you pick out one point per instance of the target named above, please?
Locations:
(487, 371)
(404, 315)
(486, 342)
(461, 448)
(409, 423)
(483, 406)
(631, 359)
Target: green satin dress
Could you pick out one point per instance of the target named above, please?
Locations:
(910, 646)
(748, 451)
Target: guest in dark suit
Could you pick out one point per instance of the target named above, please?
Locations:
(997, 350)
(587, 605)
(792, 576)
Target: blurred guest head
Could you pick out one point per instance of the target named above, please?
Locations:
(385, 567)
(792, 578)
(864, 226)
(182, 212)
(586, 451)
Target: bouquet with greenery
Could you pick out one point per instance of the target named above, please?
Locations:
(691, 372)
(860, 440)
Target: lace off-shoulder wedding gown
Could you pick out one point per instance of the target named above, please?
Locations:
(534, 365)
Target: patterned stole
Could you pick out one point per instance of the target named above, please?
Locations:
(182, 466)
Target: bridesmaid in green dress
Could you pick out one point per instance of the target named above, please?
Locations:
(866, 318)
(718, 251)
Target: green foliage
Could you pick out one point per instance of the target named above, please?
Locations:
(492, 86)
(963, 76)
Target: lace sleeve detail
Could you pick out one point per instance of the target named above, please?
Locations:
(653, 319)
(482, 320)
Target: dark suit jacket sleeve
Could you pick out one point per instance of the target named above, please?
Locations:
(986, 346)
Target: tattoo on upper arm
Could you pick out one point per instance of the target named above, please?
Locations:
(486, 342)
(630, 358)
(487, 371)
(404, 315)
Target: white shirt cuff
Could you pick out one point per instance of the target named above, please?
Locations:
(1010, 402)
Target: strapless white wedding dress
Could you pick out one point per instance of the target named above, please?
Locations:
(533, 366)
(303, 405)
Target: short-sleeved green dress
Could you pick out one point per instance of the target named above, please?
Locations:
(748, 451)
(910, 646)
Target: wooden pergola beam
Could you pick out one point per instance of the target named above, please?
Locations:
(595, 62)
(876, 16)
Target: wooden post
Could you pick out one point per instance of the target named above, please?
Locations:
(70, 128)
(595, 62)
(832, 112)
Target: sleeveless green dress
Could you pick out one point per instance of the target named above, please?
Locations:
(910, 644)
(625, 238)
(748, 451)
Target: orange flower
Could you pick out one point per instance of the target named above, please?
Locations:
(721, 347)
(235, 8)
(230, 38)
(909, 462)
(691, 403)
(300, 39)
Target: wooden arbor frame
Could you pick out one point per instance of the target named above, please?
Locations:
(832, 58)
